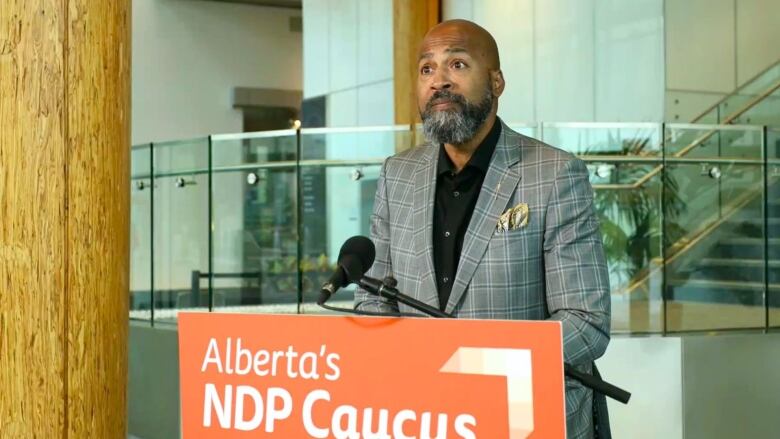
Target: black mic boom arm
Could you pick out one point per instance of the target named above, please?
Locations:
(377, 287)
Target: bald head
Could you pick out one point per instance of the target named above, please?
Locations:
(459, 81)
(465, 35)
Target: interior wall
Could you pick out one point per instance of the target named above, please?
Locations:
(731, 386)
(713, 47)
(650, 368)
(153, 382)
(187, 59)
(189, 55)
(575, 60)
(348, 59)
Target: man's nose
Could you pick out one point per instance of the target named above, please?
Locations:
(441, 81)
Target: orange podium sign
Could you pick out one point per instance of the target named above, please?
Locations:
(294, 376)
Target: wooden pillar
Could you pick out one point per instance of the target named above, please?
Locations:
(411, 20)
(64, 201)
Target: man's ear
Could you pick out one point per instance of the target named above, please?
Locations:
(497, 83)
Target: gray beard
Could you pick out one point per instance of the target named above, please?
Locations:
(455, 127)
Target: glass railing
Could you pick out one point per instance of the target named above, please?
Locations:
(772, 221)
(690, 217)
(714, 227)
(757, 102)
(141, 278)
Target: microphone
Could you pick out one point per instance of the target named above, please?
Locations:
(355, 258)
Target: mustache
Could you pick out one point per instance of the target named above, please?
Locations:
(445, 96)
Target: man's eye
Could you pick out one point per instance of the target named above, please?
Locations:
(425, 70)
(458, 65)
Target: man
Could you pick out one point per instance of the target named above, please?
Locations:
(486, 223)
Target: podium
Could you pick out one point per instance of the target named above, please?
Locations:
(301, 376)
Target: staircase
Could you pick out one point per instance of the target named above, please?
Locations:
(728, 266)
(738, 260)
(717, 273)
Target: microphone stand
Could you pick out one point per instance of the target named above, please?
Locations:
(382, 289)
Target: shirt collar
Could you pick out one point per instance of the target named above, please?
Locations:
(482, 155)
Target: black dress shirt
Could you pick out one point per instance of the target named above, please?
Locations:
(456, 197)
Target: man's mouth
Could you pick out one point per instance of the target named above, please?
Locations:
(441, 104)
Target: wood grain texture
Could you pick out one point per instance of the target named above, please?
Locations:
(98, 166)
(64, 201)
(32, 232)
(411, 20)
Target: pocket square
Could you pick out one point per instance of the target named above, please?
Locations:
(514, 218)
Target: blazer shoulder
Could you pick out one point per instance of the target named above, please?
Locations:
(535, 149)
(411, 158)
(535, 152)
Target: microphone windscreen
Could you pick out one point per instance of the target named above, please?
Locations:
(357, 250)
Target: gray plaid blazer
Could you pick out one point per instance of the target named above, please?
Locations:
(552, 268)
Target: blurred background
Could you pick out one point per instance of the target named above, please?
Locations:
(259, 128)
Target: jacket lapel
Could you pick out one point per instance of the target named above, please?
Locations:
(424, 191)
(499, 184)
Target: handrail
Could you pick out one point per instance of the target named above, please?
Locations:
(744, 84)
(588, 158)
(397, 128)
(283, 164)
(701, 139)
(685, 243)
